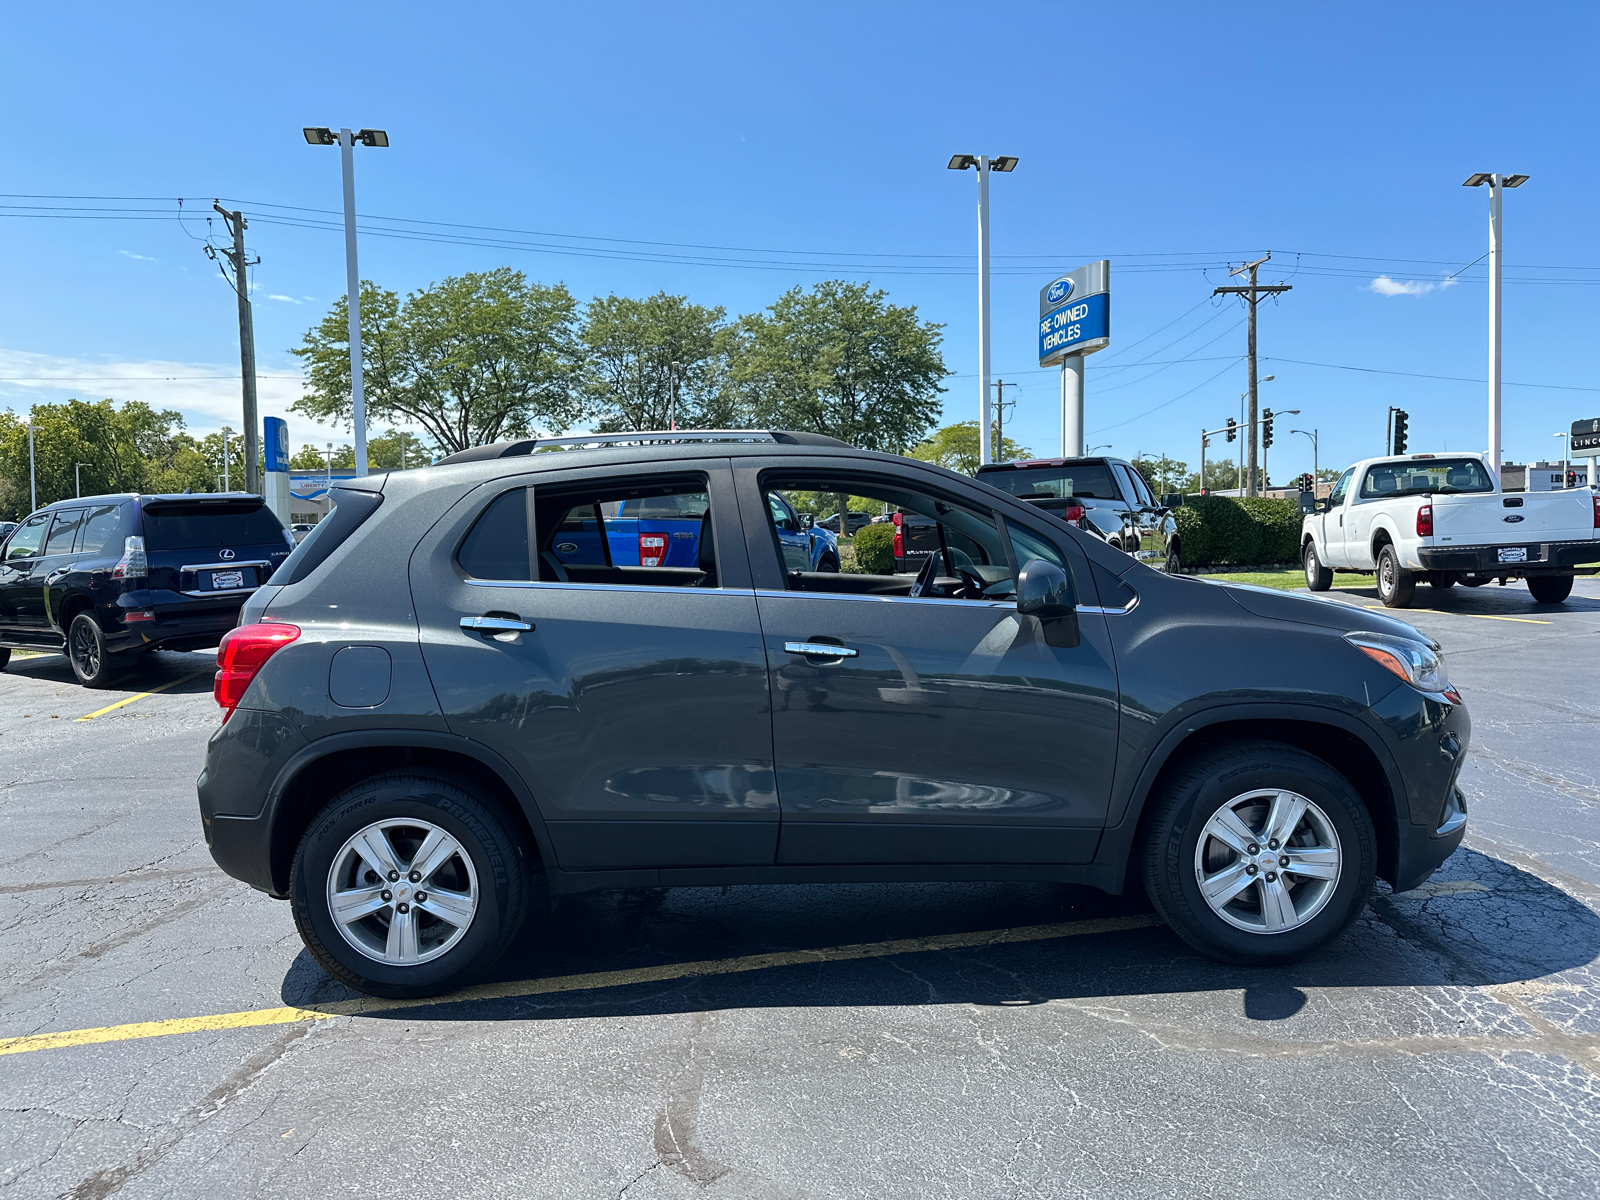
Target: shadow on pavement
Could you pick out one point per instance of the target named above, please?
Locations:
(1489, 600)
(152, 670)
(1485, 921)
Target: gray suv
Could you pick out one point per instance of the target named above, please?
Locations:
(484, 674)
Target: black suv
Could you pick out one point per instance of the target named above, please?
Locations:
(106, 577)
(460, 682)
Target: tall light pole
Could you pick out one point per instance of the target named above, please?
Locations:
(1313, 436)
(346, 141)
(77, 478)
(1496, 182)
(33, 486)
(1565, 445)
(984, 164)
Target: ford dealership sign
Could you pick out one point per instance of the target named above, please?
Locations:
(1058, 291)
(1075, 313)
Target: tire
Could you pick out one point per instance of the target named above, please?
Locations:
(5, 657)
(1549, 589)
(393, 815)
(1443, 582)
(86, 651)
(828, 564)
(1174, 563)
(1318, 577)
(1396, 585)
(1334, 833)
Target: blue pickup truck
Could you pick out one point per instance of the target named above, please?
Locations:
(664, 531)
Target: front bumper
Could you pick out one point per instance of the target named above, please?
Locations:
(1542, 556)
(1428, 736)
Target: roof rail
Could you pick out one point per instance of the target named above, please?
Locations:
(647, 437)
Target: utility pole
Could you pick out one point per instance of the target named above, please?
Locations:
(1252, 295)
(247, 345)
(1000, 386)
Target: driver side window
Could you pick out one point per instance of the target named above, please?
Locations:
(25, 541)
(1336, 497)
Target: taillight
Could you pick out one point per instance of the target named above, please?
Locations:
(1425, 521)
(242, 653)
(132, 564)
(1072, 514)
(652, 549)
(1597, 512)
(900, 544)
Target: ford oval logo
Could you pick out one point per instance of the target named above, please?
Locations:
(1059, 291)
(566, 547)
(1511, 520)
(226, 555)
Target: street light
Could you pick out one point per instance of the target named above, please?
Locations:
(1313, 436)
(984, 164)
(77, 478)
(1092, 449)
(225, 432)
(33, 486)
(1496, 183)
(346, 142)
(1565, 449)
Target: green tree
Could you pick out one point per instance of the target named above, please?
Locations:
(1162, 474)
(840, 360)
(956, 447)
(639, 352)
(473, 359)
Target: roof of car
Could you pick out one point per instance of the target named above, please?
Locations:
(1049, 462)
(648, 439)
(148, 497)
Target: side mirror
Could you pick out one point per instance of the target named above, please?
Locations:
(1045, 592)
(807, 521)
(1321, 506)
(1172, 500)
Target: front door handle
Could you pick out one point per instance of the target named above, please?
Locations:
(496, 624)
(820, 650)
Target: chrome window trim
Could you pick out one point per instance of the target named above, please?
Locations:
(653, 589)
(774, 594)
(1111, 612)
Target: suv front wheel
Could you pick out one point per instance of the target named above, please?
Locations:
(1259, 853)
(408, 884)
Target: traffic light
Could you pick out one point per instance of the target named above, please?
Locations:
(1266, 429)
(1306, 482)
(1400, 420)
(1572, 479)
(1233, 429)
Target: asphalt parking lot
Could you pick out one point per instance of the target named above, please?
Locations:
(169, 1037)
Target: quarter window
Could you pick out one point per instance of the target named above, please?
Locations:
(101, 531)
(497, 545)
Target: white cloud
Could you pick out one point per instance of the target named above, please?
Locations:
(285, 299)
(140, 257)
(1385, 286)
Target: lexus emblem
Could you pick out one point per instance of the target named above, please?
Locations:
(226, 556)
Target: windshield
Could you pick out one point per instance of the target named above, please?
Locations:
(1090, 480)
(1442, 476)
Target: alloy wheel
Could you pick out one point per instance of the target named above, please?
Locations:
(1268, 861)
(85, 650)
(402, 891)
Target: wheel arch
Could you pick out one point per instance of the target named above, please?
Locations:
(75, 603)
(311, 780)
(1328, 735)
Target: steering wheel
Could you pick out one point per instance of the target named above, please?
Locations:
(926, 576)
(971, 583)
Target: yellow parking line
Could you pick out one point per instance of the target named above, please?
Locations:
(1479, 616)
(100, 712)
(575, 983)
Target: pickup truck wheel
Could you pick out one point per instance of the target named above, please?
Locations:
(1259, 853)
(1395, 585)
(1318, 577)
(5, 657)
(829, 564)
(1549, 589)
(408, 884)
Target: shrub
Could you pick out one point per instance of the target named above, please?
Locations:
(1246, 531)
(874, 547)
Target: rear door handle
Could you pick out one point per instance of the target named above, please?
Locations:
(55, 575)
(820, 650)
(495, 624)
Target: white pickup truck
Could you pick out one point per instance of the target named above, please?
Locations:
(1442, 518)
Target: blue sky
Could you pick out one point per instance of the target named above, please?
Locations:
(1173, 139)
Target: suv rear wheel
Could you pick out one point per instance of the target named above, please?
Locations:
(408, 884)
(86, 651)
(1259, 853)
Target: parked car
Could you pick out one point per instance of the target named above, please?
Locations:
(299, 531)
(1442, 518)
(425, 709)
(1117, 505)
(104, 578)
(805, 545)
(857, 520)
(5, 529)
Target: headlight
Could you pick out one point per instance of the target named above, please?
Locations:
(1419, 664)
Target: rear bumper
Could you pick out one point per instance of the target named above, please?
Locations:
(1558, 557)
(191, 625)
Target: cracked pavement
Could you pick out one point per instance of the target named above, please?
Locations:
(1449, 1045)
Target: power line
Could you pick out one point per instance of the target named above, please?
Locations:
(1174, 400)
(1561, 387)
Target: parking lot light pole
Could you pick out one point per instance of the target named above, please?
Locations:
(984, 164)
(77, 478)
(1496, 183)
(33, 486)
(346, 141)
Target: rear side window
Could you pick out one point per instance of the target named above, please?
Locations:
(209, 526)
(350, 509)
(497, 545)
(65, 531)
(102, 531)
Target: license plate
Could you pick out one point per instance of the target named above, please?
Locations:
(222, 581)
(1514, 554)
